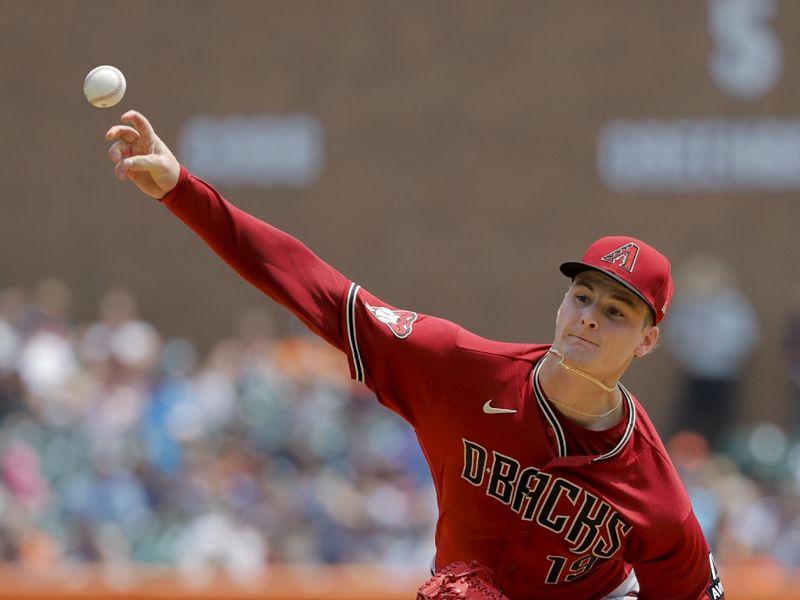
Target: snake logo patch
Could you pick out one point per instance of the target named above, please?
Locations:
(398, 321)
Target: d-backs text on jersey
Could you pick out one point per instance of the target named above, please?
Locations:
(592, 526)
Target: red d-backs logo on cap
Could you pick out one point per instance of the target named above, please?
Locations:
(624, 256)
(399, 321)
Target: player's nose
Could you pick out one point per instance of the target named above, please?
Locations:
(589, 317)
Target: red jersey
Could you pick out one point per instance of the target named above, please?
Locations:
(553, 509)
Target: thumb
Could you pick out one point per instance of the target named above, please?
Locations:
(146, 162)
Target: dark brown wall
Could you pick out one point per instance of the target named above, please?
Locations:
(460, 163)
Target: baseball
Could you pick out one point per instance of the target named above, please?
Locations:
(104, 86)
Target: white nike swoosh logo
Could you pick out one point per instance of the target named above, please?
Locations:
(491, 410)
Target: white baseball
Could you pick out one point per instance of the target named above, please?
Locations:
(104, 86)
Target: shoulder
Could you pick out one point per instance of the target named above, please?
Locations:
(411, 325)
(646, 433)
(468, 342)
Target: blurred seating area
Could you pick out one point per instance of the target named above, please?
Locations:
(119, 445)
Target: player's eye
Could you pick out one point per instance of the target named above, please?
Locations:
(614, 312)
(582, 298)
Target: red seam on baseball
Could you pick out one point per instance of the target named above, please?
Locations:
(112, 94)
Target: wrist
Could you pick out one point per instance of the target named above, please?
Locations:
(180, 183)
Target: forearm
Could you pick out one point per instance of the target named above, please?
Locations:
(270, 259)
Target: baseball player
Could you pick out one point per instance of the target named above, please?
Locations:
(552, 482)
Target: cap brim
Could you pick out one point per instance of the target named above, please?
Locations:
(571, 269)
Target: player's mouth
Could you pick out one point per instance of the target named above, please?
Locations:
(584, 341)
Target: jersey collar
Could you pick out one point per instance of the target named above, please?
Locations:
(561, 438)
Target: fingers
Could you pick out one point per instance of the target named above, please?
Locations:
(119, 171)
(128, 167)
(123, 132)
(119, 150)
(139, 128)
(146, 162)
(140, 122)
(120, 154)
(139, 155)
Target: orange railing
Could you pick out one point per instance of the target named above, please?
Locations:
(742, 582)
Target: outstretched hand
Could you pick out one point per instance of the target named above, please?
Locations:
(139, 154)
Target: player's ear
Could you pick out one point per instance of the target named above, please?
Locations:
(650, 337)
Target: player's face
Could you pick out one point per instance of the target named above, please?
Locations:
(601, 326)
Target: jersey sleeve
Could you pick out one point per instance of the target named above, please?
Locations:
(684, 568)
(270, 259)
(401, 355)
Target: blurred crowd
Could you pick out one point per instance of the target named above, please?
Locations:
(744, 479)
(119, 446)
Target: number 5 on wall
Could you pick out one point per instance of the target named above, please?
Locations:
(746, 56)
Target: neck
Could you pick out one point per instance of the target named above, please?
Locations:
(562, 363)
(578, 395)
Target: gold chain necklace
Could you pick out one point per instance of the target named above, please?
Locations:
(562, 364)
